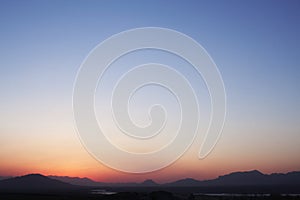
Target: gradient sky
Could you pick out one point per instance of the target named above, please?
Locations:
(255, 44)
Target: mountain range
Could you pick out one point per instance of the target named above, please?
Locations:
(249, 178)
(240, 179)
(254, 177)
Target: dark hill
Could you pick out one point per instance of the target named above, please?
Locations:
(248, 178)
(77, 181)
(242, 178)
(32, 182)
(149, 182)
(187, 182)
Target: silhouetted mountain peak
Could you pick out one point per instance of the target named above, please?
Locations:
(34, 174)
(244, 178)
(30, 177)
(77, 180)
(149, 182)
(253, 173)
(185, 182)
(244, 173)
(37, 176)
(33, 182)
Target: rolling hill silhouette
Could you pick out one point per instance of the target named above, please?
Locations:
(33, 182)
(78, 181)
(249, 181)
(149, 182)
(247, 178)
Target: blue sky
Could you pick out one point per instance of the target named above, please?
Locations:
(255, 44)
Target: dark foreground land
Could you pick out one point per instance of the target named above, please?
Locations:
(160, 195)
(141, 195)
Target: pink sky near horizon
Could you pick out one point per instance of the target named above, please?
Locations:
(65, 156)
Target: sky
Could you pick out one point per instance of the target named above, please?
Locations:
(255, 44)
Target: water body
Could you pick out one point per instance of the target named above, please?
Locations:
(103, 192)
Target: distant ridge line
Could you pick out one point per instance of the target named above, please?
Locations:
(243, 178)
